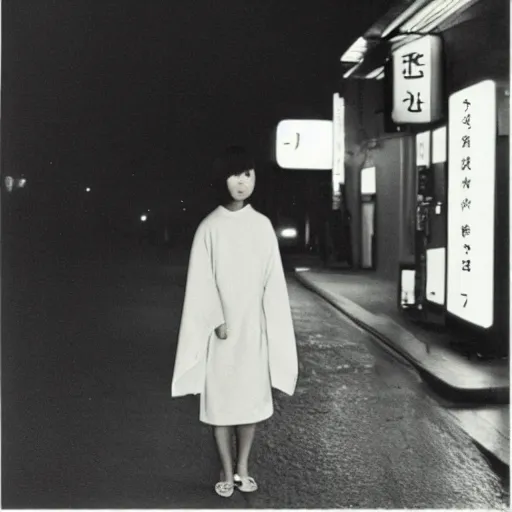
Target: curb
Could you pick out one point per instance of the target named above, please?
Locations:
(448, 391)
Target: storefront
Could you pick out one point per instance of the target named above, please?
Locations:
(426, 93)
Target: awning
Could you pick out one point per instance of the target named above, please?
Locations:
(404, 21)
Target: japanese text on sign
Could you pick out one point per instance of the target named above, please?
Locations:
(471, 197)
(417, 81)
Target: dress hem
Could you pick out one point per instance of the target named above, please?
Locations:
(232, 424)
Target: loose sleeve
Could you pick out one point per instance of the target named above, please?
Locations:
(202, 314)
(282, 345)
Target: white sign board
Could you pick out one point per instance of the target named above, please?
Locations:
(436, 275)
(338, 145)
(304, 144)
(439, 145)
(368, 181)
(417, 86)
(423, 149)
(471, 203)
(408, 287)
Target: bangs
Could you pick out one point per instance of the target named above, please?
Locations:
(232, 162)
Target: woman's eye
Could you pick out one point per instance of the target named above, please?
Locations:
(248, 174)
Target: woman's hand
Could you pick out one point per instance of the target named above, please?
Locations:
(222, 332)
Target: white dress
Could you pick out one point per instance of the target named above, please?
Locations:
(244, 277)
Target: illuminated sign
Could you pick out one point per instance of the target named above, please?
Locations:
(439, 145)
(423, 149)
(408, 288)
(471, 203)
(338, 159)
(304, 144)
(436, 269)
(368, 181)
(417, 91)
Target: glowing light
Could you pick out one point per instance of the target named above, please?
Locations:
(472, 203)
(304, 144)
(143, 218)
(289, 233)
(88, 189)
(356, 52)
(9, 183)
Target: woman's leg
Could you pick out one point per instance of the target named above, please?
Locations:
(223, 438)
(245, 438)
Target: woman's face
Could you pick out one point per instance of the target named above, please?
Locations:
(241, 186)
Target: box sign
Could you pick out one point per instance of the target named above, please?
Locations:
(304, 144)
(471, 203)
(436, 275)
(407, 288)
(368, 181)
(338, 145)
(417, 86)
(423, 149)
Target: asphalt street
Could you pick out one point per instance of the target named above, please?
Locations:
(88, 344)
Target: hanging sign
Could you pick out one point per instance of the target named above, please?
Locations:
(471, 203)
(417, 73)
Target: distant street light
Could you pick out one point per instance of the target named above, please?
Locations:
(289, 233)
(143, 218)
(88, 189)
(14, 183)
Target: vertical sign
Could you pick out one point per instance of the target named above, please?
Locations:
(439, 145)
(436, 268)
(471, 203)
(423, 149)
(338, 163)
(417, 92)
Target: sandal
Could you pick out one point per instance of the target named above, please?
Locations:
(246, 483)
(224, 489)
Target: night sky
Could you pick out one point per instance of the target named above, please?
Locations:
(134, 98)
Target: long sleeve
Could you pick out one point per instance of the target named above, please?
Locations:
(202, 313)
(282, 345)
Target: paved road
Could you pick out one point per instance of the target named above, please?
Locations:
(88, 421)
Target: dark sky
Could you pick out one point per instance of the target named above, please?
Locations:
(134, 98)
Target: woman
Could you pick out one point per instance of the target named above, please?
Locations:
(236, 337)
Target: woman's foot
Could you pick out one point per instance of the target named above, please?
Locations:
(245, 483)
(226, 486)
(225, 489)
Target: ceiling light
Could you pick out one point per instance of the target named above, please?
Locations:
(350, 71)
(433, 15)
(376, 73)
(404, 17)
(356, 52)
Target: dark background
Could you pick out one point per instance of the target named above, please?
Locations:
(134, 99)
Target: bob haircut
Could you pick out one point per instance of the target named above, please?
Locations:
(233, 161)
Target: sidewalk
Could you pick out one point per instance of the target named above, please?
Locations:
(371, 303)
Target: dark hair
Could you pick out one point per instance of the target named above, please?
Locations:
(233, 161)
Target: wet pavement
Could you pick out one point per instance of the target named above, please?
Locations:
(88, 348)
